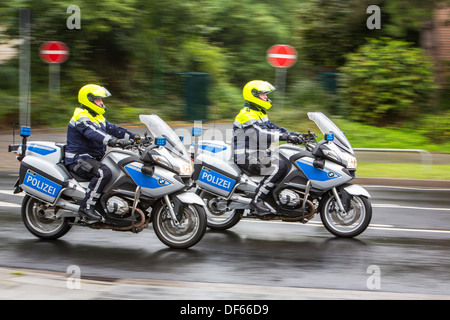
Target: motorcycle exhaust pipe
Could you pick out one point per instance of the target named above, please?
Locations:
(64, 204)
(240, 199)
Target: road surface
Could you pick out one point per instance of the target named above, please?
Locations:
(404, 251)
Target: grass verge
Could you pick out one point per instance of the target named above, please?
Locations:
(403, 171)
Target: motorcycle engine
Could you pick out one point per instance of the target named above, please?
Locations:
(118, 206)
(289, 198)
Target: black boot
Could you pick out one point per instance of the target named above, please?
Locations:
(260, 206)
(90, 214)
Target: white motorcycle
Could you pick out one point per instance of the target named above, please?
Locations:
(149, 184)
(317, 182)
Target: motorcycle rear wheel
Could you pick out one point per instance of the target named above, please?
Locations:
(189, 231)
(350, 224)
(36, 217)
(219, 220)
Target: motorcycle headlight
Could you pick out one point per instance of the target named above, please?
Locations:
(186, 168)
(162, 161)
(351, 162)
(331, 154)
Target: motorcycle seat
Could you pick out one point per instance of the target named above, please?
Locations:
(78, 178)
(71, 174)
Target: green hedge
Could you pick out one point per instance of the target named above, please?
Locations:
(387, 81)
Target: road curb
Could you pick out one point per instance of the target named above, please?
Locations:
(406, 183)
(365, 181)
(31, 284)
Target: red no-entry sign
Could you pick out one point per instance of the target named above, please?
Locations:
(54, 52)
(281, 56)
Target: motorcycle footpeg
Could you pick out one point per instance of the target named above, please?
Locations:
(89, 222)
(256, 213)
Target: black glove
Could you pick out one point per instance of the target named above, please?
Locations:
(294, 139)
(112, 142)
(284, 136)
(122, 143)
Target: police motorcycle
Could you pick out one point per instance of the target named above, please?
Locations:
(149, 184)
(317, 182)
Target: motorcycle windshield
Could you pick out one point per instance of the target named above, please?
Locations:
(327, 126)
(159, 129)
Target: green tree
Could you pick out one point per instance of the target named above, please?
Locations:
(387, 81)
(328, 29)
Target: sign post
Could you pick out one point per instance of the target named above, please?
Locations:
(54, 53)
(281, 56)
(24, 67)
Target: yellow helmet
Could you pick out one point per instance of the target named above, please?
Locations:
(253, 89)
(89, 93)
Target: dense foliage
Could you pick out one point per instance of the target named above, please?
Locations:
(387, 81)
(140, 50)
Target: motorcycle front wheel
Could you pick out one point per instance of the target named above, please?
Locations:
(348, 224)
(190, 229)
(38, 219)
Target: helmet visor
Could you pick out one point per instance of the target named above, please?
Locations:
(101, 93)
(263, 87)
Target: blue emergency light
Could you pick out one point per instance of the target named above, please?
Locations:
(160, 141)
(329, 136)
(25, 131)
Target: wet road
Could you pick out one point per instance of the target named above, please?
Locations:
(406, 249)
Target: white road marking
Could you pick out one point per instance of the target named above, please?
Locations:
(310, 223)
(11, 193)
(9, 204)
(396, 206)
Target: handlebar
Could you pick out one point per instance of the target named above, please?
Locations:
(140, 144)
(302, 138)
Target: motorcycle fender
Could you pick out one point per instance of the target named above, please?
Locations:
(356, 190)
(185, 198)
(17, 188)
(189, 198)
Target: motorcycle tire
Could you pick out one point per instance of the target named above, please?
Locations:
(189, 231)
(35, 220)
(350, 224)
(217, 221)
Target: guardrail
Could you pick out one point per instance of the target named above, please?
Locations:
(426, 157)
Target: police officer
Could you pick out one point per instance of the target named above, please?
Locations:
(88, 135)
(253, 134)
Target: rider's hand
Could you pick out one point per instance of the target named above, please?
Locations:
(284, 136)
(122, 143)
(112, 142)
(294, 139)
